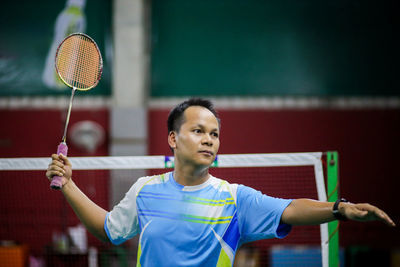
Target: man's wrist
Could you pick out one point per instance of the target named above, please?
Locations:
(338, 209)
(68, 186)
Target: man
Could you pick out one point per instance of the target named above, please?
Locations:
(190, 218)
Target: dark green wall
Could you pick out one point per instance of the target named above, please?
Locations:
(267, 48)
(26, 33)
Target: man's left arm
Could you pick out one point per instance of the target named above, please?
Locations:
(312, 212)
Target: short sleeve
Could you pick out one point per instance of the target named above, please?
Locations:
(259, 215)
(121, 222)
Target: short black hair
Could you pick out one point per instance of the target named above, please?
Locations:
(176, 119)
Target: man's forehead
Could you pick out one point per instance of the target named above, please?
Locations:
(197, 114)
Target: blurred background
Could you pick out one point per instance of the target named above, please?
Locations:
(285, 76)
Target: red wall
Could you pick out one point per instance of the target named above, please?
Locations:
(37, 133)
(367, 142)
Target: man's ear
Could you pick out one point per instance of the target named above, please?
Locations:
(172, 136)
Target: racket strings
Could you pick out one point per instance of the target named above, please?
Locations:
(79, 62)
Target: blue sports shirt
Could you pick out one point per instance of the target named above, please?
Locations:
(200, 225)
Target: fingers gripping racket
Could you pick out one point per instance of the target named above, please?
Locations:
(79, 65)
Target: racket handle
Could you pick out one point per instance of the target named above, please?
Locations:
(56, 182)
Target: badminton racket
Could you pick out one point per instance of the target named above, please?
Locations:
(79, 65)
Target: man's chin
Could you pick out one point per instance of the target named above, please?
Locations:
(206, 161)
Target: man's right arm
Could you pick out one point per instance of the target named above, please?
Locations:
(89, 213)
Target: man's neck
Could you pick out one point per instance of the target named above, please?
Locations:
(187, 175)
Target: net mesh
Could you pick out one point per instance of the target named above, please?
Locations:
(39, 219)
(79, 62)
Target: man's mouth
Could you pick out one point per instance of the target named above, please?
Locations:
(206, 152)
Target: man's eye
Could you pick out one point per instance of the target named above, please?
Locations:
(214, 134)
(197, 131)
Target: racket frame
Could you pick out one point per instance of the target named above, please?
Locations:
(100, 63)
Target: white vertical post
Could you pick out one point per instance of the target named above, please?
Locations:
(128, 114)
(319, 180)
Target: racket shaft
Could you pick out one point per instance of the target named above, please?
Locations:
(68, 115)
(56, 182)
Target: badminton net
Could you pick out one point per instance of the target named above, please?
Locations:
(40, 221)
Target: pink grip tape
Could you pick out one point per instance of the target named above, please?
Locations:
(56, 182)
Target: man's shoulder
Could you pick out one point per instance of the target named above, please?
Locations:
(223, 185)
(150, 180)
(218, 182)
(154, 179)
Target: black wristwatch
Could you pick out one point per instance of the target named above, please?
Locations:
(335, 210)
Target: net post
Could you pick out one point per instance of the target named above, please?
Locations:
(333, 187)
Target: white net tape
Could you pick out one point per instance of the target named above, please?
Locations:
(158, 162)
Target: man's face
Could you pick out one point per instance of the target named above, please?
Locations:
(197, 141)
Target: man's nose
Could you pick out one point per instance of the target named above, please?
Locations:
(207, 140)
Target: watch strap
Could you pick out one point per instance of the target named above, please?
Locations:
(335, 210)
